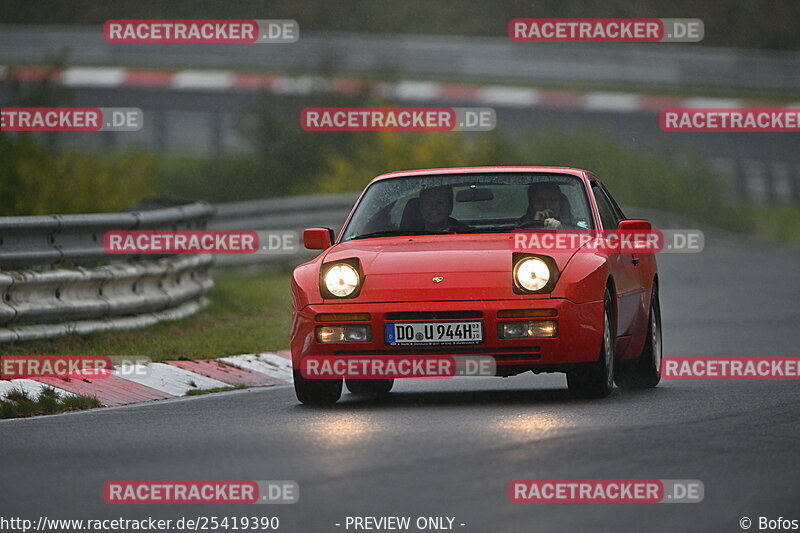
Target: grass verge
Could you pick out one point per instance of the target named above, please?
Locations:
(200, 392)
(18, 403)
(246, 315)
(778, 223)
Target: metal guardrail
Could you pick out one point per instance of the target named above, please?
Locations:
(78, 239)
(52, 283)
(493, 58)
(56, 278)
(292, 213)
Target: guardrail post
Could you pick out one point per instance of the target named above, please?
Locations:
(795, 181)
(160, 133)
(742, 190)
(215, 119)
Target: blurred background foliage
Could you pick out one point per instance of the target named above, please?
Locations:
(35, 180)
(39, 177)
(35, 173)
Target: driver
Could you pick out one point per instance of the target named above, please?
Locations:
(436, 205)
(544, 204)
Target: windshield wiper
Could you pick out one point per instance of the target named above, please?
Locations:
(397, 232)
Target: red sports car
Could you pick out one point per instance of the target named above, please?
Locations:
(457, 263)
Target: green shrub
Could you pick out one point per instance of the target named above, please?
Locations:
(37, 181)
(781, 223)
(389, 151)
(638, 177)
(284, 160)
(642, 178)
(220, 179)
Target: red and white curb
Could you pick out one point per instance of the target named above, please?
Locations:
(170, 379)
(416, 91)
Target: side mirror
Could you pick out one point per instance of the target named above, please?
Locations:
(318, 238)
(634, 225)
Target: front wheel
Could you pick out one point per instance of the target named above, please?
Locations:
(369, 387)
(317, 391)
(597, 380)
(645, 371)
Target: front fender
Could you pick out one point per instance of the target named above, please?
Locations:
(584, 278)
(305, 285)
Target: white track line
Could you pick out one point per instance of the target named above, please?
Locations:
(93, 77)
(417, 90)
(612, 102)
(203, 79)
(267, 363)
(713, 103)
(167, 378)
(510, 96)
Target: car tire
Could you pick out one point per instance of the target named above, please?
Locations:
(645, 371)
(597, 380)
(369, 387)
(317, 391)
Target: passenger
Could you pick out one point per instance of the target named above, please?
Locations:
(545, 202)
(436, 205)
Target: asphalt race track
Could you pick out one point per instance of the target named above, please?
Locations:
(450, 447)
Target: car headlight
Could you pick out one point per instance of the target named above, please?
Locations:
(532, 274)
(342, 280)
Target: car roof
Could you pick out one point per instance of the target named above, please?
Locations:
(584, 174)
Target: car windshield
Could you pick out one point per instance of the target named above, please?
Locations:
(470, 203)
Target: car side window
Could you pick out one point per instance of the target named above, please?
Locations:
(614, 205)
(607, 214)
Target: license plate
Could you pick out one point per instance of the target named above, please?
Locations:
(427, 333)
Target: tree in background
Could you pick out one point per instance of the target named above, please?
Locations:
(390, 151)
(37, 177)
(637, 177)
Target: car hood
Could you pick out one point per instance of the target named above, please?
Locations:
(403, 268)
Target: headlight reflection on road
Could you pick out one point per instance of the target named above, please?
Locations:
(533, 425)
(341, 430)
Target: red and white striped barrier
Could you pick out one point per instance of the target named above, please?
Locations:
(170, 379)
(418, 91)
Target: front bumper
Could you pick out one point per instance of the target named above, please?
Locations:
(578, 339)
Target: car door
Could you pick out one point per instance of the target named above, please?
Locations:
(624, 266)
